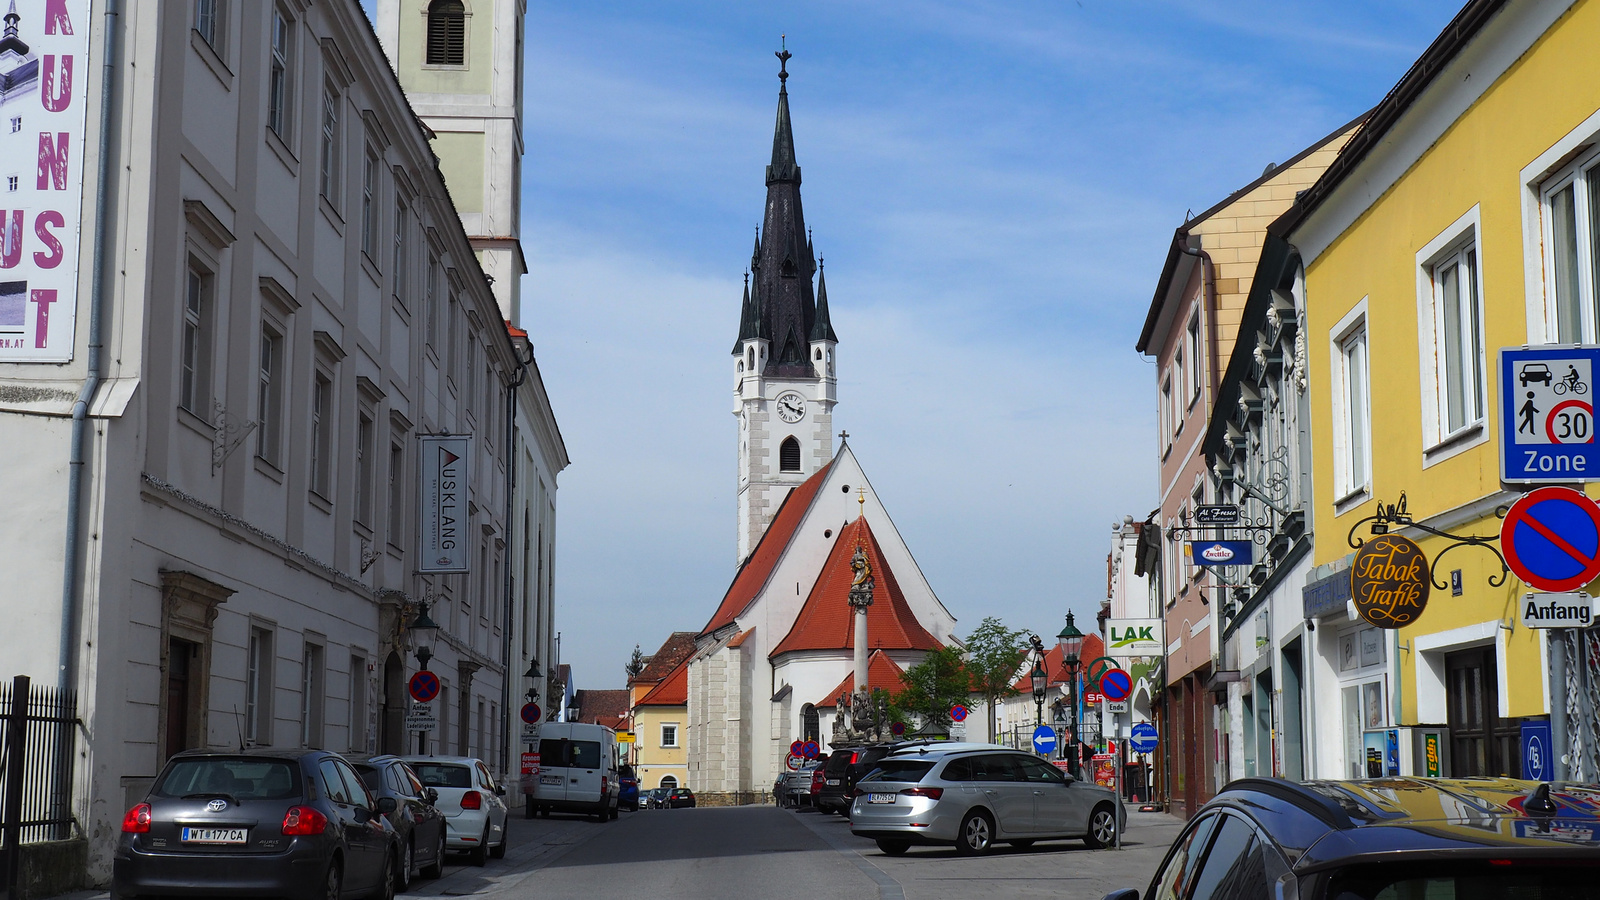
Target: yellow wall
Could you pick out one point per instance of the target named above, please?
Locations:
(461, 161)
(652, 761)
(1477, 161)
(417, 78)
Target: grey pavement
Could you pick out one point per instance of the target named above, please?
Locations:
(765, 852)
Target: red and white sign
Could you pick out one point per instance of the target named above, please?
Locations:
(530, 764)
(1093, 698)
(41, 219)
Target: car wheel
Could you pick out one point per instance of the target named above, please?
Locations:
(480, 853)
(893, 848)
(385, 889)
(498, 851)
(544, 812)
(435, 869)
(602, 814)
(402, 879)
(333, 882)
(975, 835)
(1102, 828)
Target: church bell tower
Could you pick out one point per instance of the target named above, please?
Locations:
(460, 62)
(784, 378)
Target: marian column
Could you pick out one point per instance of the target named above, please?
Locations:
(860, 599)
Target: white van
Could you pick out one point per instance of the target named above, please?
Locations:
(577, 770)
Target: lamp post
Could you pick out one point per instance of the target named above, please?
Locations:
(1041, 680)
(424, 630)
(1070, 640)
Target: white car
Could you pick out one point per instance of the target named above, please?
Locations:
(473, 804)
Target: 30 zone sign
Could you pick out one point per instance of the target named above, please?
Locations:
(1547, 414)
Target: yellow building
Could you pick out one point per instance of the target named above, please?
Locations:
(1448, 228)
(661, 735)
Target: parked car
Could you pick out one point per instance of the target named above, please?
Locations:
(656, 798)
(794, 788)
(678, 798)
(844, 768)
(473, 804)
(1385, 838)
(577, 770)
(418, 823)
(297, 823)
(975, 798)
(628, 788)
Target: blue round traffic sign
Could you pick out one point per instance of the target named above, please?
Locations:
(1144, 738)
(1116, 684)
(1551, 539)
(897, 729)
(530, 713)
(424, 686)
(1044, 739)
(810, 750)
(958, 713)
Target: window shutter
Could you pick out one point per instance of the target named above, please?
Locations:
(447, 33)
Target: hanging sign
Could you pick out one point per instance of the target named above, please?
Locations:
(1389, 581)
(1220, 553)
(1134, 637)
(1216, 514)
(44, 69)
(446, 474)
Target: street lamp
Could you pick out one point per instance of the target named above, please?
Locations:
(533, 674)
(1041, 681)
(1070, 640)
(423, 632)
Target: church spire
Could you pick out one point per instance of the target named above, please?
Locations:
(14, 43)
(749, 319)
(821, 327)
(783, 166)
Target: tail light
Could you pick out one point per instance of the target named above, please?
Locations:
(304, 820)
(932, 793)
(472, 800)
(137, 821)
(816, 781)
(855, 757)
(604, 783)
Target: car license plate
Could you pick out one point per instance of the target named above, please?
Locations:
(832, 782)
(549, 779)
(215, 835)
(881, 798)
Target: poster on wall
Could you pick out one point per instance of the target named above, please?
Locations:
(44, 70)
(443, 540)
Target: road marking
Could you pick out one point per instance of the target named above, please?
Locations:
(888, 888)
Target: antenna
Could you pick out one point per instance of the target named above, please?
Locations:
(238, 724)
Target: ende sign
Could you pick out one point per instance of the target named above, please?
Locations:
(1575, 610)
(1389, 581)
(446, 473)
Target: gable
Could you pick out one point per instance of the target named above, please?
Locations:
(757, 569)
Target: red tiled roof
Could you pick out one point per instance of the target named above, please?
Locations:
(514, 331)
(1093, 648)
(743, 636)
(675, 649)
(672, 691)
(755, 571)
(601, 707)
(882, 672)
(825, 621)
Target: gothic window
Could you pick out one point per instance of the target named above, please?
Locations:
(810, 723)
(447, 33)
(789, 455)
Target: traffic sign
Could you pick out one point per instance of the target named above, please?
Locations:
(897, 728)
(958, 713)
(797, 748)
(1551, 539)
(1116, 706)
(810, 750)
(424, 686)
(1116, 684)
(626, 737)
(1044, 739)
(793, 763)
(1538, 762)
(1574, 610)
(1547, 414)
(421, 718)
(1144, 738)
(531, 713)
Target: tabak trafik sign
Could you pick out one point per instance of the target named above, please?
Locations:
(1389, 581)
(44, 68)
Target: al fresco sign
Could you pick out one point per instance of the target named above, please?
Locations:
(43, 68)
(446, 473)
(1389, 581)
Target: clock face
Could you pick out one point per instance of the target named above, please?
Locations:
(791, 406)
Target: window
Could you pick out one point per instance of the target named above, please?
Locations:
(1235, 865)
(1352, 437)
(397, 494)
(669, 734)
(311, 696)
(399, 248)
(16, 124)
(279, 88)
(1571, 208)
(471, 391)
(1192, 347)
(789, 455)
(364, 463)
(258, 689)
(669, 782)
(321, 434)
(1165, 413)
(195, 359)
(1172, 883)
(269, 395)
(11, 182)
(447, 33)
(369, 209)
(328, 172)
(207, 18)
(358, 703)
(1458, 340)
(431, 335)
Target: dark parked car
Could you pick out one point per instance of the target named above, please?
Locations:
(1386, 838)
(628, 789)
(419, 825)
(844, 768)
(296, 823)
(656, 798)
(679, 797)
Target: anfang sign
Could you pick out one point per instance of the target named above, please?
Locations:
(446, 474)
(1389, 581)
(1574, 610)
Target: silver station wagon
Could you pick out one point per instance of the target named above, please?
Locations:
(974, 798)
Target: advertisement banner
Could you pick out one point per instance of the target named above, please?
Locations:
(1133, 637)
(442, 536)
(44, 72)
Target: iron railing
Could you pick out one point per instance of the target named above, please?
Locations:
(40, 734)
(1582, 650)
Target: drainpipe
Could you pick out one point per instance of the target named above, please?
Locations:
(71, 586)
(511, 530)
(1209, 300)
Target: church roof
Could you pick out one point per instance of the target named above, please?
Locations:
(675, 649)
(757, 567)
(882, 672)
(672, 691)
(824, 622)
(1093, 648)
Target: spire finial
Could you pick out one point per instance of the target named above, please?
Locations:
(783, 60)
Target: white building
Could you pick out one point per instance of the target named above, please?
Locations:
(274, 301)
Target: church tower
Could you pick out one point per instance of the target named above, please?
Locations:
(460, 62)
(784, 381)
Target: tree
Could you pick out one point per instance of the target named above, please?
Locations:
(933, 686)
(636, 663)
(994, 653)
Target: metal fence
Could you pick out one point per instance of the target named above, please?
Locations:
(1582, 651)
(36, 758)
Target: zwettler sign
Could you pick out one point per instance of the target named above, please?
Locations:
(1571, 610)
(442, 533)
(44, 73)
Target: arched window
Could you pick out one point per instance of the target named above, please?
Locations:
(447, 33)
(669, 782)
(789, 455)
(810, 724)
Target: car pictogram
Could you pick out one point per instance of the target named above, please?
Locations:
(1535, 372)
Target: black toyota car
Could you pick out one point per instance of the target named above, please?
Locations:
(258, 823)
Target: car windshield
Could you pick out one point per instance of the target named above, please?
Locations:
(899, 770)
(240, 779)
(443, 775)
(1521, 879)
(569, 754)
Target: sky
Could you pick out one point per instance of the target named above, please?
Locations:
(993, 186)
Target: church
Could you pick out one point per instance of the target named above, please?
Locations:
(825, 588)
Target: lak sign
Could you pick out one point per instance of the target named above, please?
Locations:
(1134, 637)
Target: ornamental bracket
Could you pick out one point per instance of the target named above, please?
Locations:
(1394, 515)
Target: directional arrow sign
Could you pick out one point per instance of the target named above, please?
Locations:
(1044, 739)
(1144, 738)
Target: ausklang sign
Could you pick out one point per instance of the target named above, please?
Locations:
(446, 475)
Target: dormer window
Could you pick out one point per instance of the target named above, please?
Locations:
(447, 33)
(789, 455)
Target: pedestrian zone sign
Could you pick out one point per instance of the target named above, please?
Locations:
(1547, 414)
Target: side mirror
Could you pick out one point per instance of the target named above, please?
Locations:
(433, 796)
(387, 805)
(1124, 894)
(500, 789)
